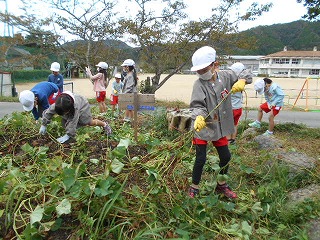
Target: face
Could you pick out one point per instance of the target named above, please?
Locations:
(55, 73)
(125, 68)
(118, 80)
(204, 70)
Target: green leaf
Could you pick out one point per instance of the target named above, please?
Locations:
(36, 215)
(116, 166)
(94, 160)
(256, 208)
(124, 143)
(64, 207)
(68, 177)
(103, 188)
(222, 177)
(263, 231)
(246, 228)
(27, 148)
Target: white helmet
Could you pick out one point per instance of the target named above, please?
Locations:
(259, 85)
(128, 62)
(55, 67)
(27, 97)
(237, 67)
(118, 75)
(103, 65)
(203, 57)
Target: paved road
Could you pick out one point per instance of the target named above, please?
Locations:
(310, 119)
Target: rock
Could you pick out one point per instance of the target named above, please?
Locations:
(268, 142)
(297, 161)
(301, 194)
(314, 229)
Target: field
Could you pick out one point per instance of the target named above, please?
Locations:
(99, 187)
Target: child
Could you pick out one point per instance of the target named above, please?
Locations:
(212, 88)
(274, 96)
(100, 83)
(56, 77)
(236, 102)
(37, 99)
(117, 86)
(129, 83)
(75, 112)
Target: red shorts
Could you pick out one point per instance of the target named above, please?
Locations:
(275, 110)
(114, 99)
(236, 115)
(101, 96)
(219, 143)
(51, 99)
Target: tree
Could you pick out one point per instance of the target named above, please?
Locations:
(167, 41)
(313, 7)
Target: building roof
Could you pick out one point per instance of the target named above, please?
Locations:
(294, 54)
(242, 57)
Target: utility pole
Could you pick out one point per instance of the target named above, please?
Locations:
(6, 25)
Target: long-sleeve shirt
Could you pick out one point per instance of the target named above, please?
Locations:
(42, 91)
(57, 79)
(82, 115)
(274, 95)
(206, 95)
(128, 83)
(98, 82)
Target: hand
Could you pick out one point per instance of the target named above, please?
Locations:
(199, 123)
(238, 86)
(115, 91)
(43, 130)
(63, 139)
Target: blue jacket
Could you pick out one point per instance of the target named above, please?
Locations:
(274, 95)
(57, 79)
(43, 90)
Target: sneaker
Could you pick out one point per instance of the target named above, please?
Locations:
(255, 124)
(232, 141)
(268, 133)
(193, 192)
(127, 119)
(225, 190)
(107, 129)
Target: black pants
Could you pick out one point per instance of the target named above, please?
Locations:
(201, 157)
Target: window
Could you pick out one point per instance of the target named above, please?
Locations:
(314, 72)
(295, 61)
(281, 60)
(294, 71)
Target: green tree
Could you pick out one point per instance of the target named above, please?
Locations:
(313, 8)
(167, 40)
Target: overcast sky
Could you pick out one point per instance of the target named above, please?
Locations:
(283, 11)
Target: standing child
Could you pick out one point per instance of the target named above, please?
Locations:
(117, 86)
(129, 84)
(100, 83)
(37, 99)
(55, 77)
(236, 102)
(213, 124)
(274, 96)
(75, 112)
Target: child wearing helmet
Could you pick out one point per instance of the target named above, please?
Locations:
(212, 115)
(274, 96)
(37, 99)
(75, 112)
(55, 77)
(117, 86)
(129, 83)
(100, 83)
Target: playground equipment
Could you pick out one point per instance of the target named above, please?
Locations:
(305, 92)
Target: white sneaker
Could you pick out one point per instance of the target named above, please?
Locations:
(255, 124)
(127, 119)
(267, 133)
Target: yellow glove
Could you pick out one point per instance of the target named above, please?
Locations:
(238, 86)
(115, 91)
(199, 123)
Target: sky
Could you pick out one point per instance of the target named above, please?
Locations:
(283, 11)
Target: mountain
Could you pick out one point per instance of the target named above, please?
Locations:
(297, 35)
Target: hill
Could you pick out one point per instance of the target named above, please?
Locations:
(297, 35)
